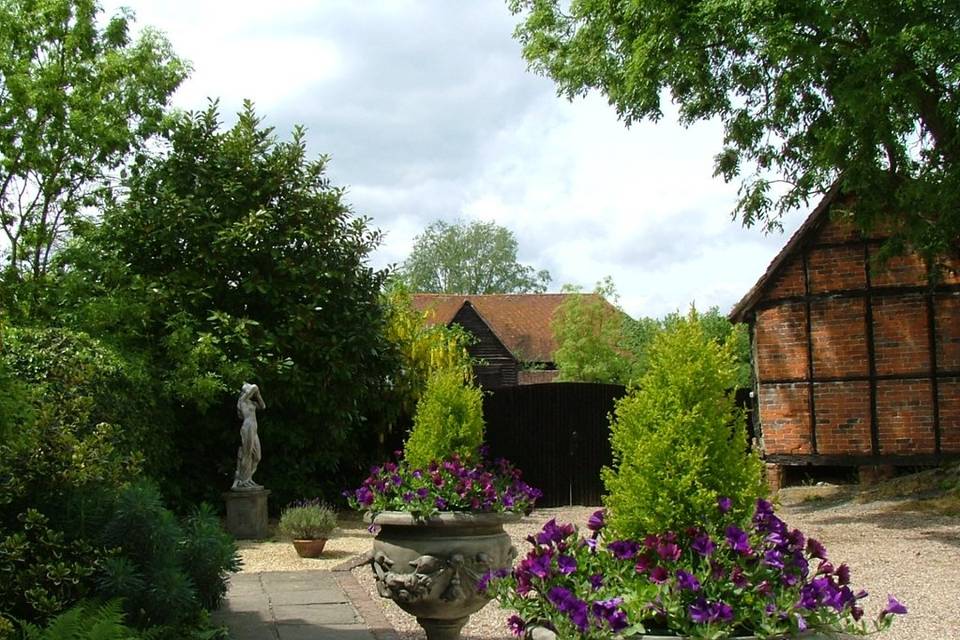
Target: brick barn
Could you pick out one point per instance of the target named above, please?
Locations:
(857, 364)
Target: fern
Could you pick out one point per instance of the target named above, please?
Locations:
(83, 621)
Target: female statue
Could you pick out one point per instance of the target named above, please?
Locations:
(248, 455)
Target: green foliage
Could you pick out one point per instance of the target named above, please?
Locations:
(449, 420)
(77, 97)
(597, 342)
(166, 572)
(812, 92)
(469, 258)
(79, 384)
(84, 621)
(308, 521)
(423, 347)
(678, 439)
(209, 555)
(234, 259)
(589, 333)
(41, 571)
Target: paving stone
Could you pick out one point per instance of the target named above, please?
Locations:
(316, 614)
(309, 596)
(331, 632)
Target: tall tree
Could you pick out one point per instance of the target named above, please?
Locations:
(469, 258)
(865, 92)
(77, 97)
(232, 260)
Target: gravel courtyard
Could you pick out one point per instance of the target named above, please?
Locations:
(890, 547)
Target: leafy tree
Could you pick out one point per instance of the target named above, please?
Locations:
(589, 333)
(474, 258)
(77, 98)
(234, 259)
(863, 92)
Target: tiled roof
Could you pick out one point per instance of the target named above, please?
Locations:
(521, 321)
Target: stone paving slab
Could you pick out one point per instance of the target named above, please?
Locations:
(303, 605)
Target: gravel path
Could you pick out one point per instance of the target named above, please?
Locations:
(890, 549)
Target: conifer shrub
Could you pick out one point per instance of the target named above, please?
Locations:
(449, 420)
(679, 440)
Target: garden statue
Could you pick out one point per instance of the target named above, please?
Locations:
(248, 455)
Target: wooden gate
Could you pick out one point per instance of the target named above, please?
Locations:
(557, 433)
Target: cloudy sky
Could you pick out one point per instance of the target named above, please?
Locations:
(427, 111)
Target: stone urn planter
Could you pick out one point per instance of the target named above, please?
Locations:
(431, 568)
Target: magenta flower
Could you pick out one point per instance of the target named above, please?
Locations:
(658, 575)
(623, 549)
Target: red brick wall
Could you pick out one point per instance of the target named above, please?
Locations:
(838, 326)
(907, 270)
(904, 408)
(837, 269)
(785, 418)
(789, 282)
(905, 416)
(949, 391)
(781, 337)
(947, 318)
(901, 339)
(843, 417)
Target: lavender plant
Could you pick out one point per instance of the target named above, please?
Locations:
(759, 578)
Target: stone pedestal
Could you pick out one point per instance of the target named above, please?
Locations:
(247, 513)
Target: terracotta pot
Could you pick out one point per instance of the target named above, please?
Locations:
(430, 569)
(311, 548)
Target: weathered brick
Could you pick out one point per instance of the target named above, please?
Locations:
(781, 338)
(837, 269)
(905, 417)
(790, 282)
(901, 340)
(838, 327)
(947, 319)
(838, 229)
(948, 391)
(785, 419)
(899, 271)
(843, 417)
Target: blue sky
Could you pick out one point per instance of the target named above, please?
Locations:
(428, 112)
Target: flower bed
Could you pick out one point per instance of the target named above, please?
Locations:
(764, 580)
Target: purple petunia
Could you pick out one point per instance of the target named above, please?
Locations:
(703, 545)
(894, 607)
(596, 522)
(566, 565)
(724, 504)
(702, 611)
(687, 581)
(516, 625)
(623, 549)
(738, 540)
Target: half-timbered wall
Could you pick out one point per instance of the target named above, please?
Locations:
(857, 363)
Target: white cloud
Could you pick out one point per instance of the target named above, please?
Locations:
(427, 111)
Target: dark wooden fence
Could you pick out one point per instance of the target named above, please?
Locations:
(558, 433)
